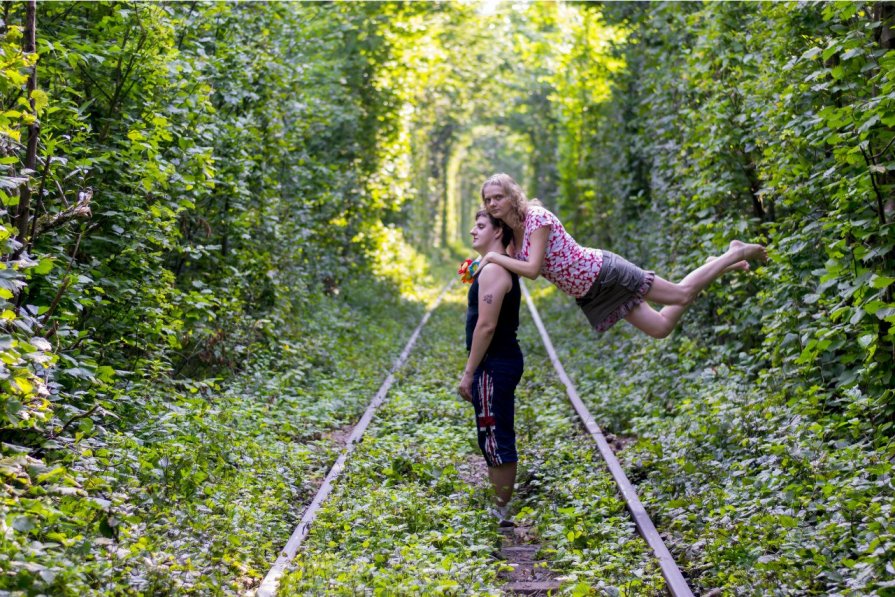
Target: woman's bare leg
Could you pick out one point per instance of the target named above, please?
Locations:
(658, 324)
(678, 297)
(684, 292)
(742, 266)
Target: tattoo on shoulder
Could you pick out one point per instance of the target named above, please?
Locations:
(488, 298)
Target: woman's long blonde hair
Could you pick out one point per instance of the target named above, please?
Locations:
(519, 203)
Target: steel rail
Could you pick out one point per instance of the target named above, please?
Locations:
(268, 587)
(677, 585)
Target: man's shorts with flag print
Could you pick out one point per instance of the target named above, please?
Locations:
(493, 396)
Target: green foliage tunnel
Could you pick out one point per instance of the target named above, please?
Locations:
(219, 220)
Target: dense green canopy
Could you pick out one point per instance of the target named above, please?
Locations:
(210, 210)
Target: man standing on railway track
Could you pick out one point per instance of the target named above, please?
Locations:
(494, 366)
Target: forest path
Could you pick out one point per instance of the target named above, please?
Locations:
(529, 573)
(405, 518)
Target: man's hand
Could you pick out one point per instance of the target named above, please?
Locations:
(465, 387)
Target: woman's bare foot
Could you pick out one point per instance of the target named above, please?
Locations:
(742, 266)
(748, 250)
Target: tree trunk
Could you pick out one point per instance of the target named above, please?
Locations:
(29, 45)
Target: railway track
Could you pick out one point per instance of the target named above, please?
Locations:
(677, 586)
(458, 541)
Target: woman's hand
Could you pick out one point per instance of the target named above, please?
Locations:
(465, 388)
(488, 258)
(482, 263)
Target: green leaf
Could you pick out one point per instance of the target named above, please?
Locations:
(44, 267)
(881, 281)
(23, 524)
(865, 340)
(811, 53)
(24, 385)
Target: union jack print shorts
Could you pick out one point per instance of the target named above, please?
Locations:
(493, 396)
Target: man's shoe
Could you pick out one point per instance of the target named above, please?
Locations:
(502, 514)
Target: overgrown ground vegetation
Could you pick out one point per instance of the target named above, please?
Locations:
(198, 493)
(217, 220)
(409, 515)
(756, 492)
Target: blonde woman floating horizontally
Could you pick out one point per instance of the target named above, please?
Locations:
(606, 287)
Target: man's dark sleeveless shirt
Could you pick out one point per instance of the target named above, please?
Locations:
(504, 343)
